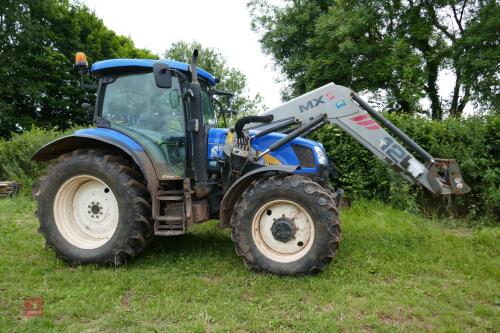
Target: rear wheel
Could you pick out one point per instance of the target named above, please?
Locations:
(93, 207)
(86, 212)
(286, 225)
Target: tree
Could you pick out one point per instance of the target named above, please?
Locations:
(231, 79)
(38, 41)
(395, 49)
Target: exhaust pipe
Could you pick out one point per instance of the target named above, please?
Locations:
(197, 128)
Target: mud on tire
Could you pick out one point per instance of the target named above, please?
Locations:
(290, 190)
(134, 227)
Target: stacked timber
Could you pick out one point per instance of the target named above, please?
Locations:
(8, 188)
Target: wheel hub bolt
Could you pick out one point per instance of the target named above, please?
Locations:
(96, 208)
(283, 229)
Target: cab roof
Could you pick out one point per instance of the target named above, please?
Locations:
(117, 64)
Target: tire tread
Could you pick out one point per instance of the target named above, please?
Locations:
(138, 196)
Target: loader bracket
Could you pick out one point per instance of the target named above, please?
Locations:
(445, 177)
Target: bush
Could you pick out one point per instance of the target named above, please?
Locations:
(474, 142)
(15, 156)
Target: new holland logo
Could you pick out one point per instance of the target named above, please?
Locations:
(311, 104)
(216, 151)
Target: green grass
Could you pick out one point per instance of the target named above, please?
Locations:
(394, 272)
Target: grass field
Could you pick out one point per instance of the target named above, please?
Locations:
(394, 272)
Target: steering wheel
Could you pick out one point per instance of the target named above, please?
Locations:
(173, 146)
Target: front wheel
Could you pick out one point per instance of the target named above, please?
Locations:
(286, 226)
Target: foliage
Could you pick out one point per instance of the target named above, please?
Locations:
(394, 49)
(479, 59)
(474, 142)
(393, 272)
(231, 79)
(38, 41)
(15, 156)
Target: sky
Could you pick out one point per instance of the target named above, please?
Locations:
(220, 24)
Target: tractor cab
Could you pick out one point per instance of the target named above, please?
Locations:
(130, 101)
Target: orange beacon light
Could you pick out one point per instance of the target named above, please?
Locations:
(81, 60)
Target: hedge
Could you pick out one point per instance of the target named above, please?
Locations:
(474, 142)
(15, 156)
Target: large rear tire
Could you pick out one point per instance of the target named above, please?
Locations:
(286, 226)
(93, 207)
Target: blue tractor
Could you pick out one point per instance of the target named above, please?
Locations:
(156, 164)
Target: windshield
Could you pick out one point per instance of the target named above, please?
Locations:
(208, 108)
(153, 116)
(134, 101)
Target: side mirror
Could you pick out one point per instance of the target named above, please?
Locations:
(174, 98)
(231, 112)
(85, 106)
(163, 77)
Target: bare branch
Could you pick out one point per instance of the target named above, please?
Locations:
(444, 30)
(457, 20)
(456, 93)
(463, 102)
(436, 23)
(463, 9)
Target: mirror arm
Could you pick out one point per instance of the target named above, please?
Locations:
(221, 93)
(221, 110)
(84, 86)
(90, 86)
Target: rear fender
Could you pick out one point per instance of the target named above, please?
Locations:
(102, 139)
(233, 194)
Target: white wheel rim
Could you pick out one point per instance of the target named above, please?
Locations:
(86, 212)
(277, 250)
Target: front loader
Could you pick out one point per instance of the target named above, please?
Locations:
(156, 164)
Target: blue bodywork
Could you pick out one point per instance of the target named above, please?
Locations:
(216, 139)
(147, 63)
(285, 155)
(217, 136)
(113, 135)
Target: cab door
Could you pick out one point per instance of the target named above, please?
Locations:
(154, 117)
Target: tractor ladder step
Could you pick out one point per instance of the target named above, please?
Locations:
(170, 230)
(170, 197)
(172, 211)
(162, 232)
(170, 218)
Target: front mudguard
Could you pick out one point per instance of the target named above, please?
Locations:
(233, 194)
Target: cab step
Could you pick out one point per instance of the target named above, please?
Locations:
(170, 218)
(172, 212)
(169, 232)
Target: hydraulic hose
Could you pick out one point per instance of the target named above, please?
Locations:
(250, 119)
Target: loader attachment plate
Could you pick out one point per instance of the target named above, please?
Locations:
(445, 177)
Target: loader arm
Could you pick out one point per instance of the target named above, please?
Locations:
(340, 106)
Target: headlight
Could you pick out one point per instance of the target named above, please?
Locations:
(322, 159)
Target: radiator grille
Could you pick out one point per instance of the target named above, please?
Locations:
(304, 155)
